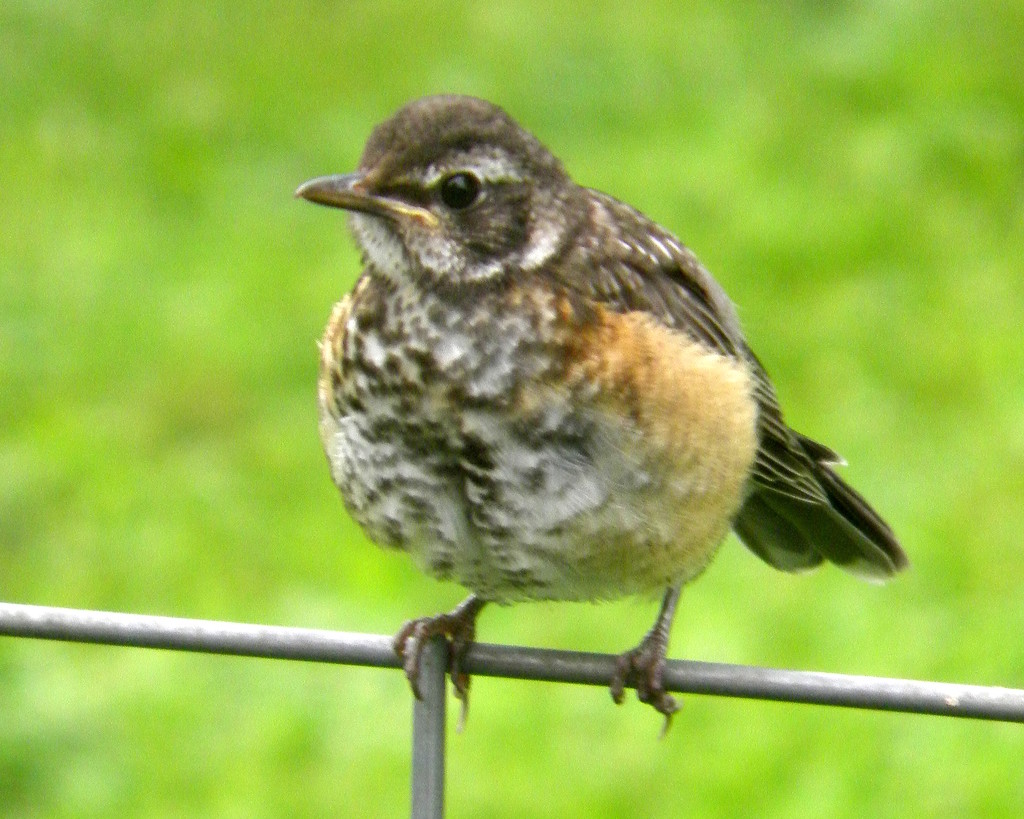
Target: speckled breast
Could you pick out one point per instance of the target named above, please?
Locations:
(504, 440)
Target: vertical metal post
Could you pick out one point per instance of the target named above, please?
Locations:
(428, 733)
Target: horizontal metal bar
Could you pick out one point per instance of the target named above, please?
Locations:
(208, 636)
(685, 676)
(753, 682)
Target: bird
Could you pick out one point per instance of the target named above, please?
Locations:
(538, 392)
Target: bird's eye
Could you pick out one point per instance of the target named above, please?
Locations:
(460, 190)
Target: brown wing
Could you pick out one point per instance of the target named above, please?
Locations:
(799, 511)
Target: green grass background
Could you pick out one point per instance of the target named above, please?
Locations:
(850, 171)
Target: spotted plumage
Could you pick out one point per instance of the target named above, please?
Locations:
(537, 392)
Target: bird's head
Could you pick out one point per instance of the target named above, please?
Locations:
(453, 190)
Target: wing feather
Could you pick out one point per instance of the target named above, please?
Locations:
(796, 501)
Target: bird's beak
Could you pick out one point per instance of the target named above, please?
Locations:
(349, 192)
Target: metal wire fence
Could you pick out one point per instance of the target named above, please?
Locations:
(428, 736)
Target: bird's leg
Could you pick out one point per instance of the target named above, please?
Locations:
(458, 626)
(641, 668)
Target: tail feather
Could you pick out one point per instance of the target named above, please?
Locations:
(858, 513)
(775, 540)
(793, 534)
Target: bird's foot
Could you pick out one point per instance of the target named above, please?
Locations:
(641, 668)
(459, 628)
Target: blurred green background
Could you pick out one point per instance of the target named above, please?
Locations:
(853, 173)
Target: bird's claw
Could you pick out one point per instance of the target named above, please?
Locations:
(459, 628)
(641, 668)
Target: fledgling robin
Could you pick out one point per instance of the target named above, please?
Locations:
(536, 391)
